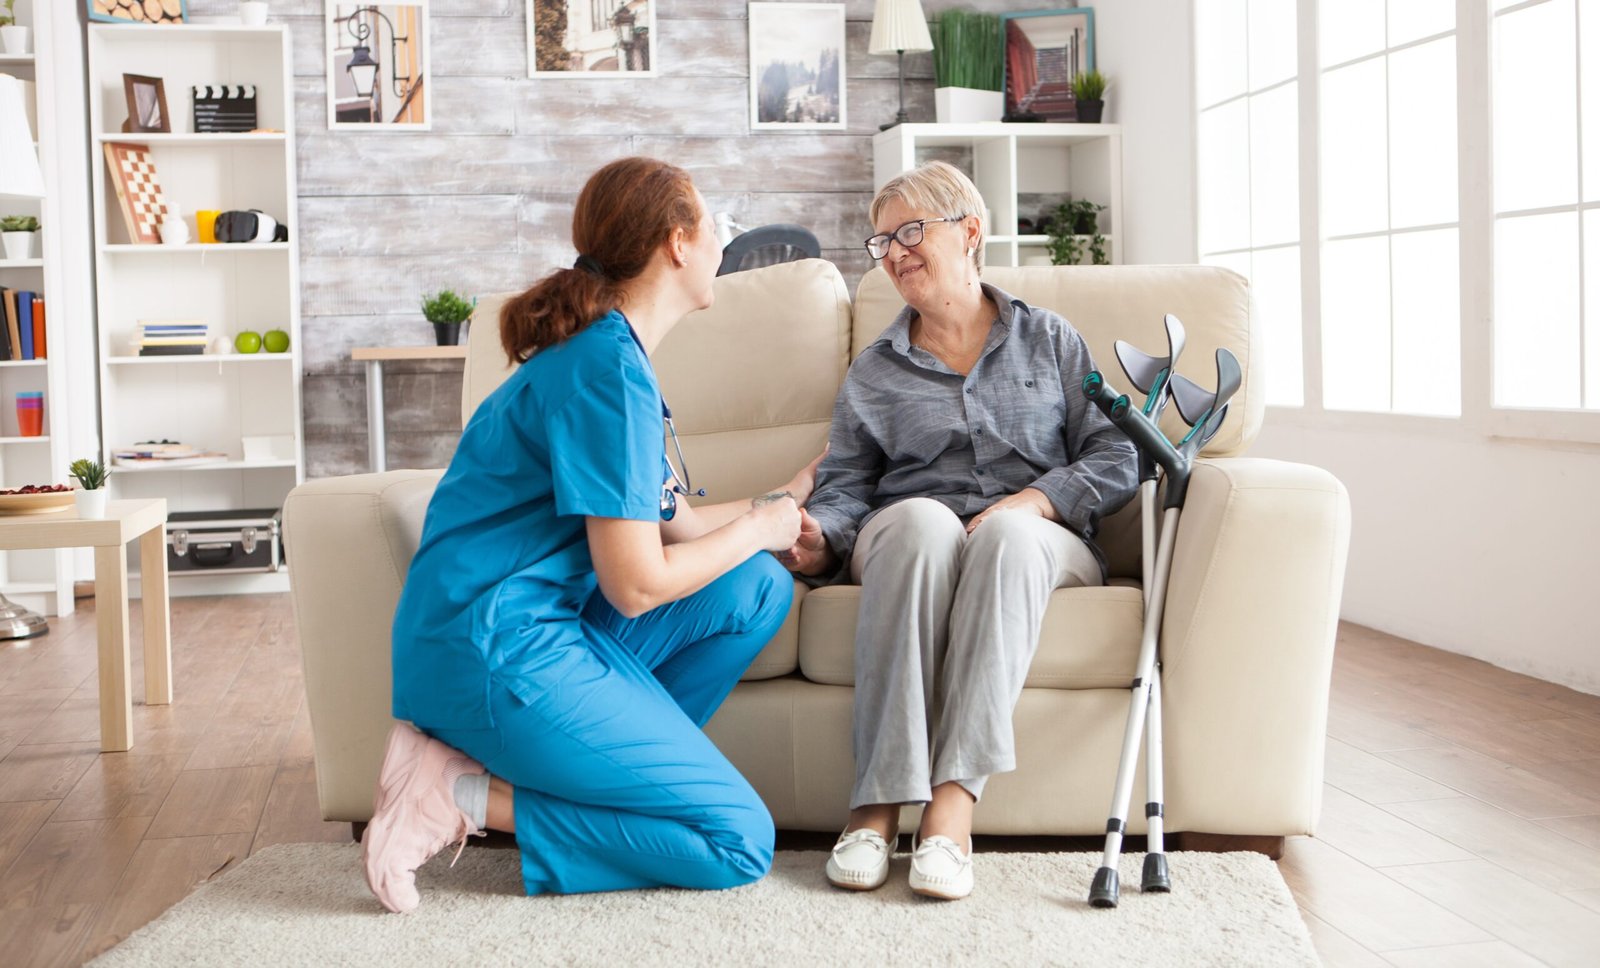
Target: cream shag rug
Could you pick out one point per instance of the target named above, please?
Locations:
(307, 904)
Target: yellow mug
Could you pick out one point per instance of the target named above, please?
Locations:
(206, 221)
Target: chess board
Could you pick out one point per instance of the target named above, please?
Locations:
(133, 175)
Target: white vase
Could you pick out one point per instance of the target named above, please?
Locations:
(18, 245)
(91, 504)
(965, 105)
(14, 39)
(253, 13)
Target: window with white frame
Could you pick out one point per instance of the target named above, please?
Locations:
(1389, 220)
(1246, 91)
(1546, 136)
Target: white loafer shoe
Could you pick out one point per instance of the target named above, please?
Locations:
(940, 869)
(859, 861)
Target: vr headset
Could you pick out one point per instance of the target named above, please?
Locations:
(251, 226)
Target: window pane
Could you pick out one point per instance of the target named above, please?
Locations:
(1225, 178)
(1219, 57)
(1422, 134)
(1273, 42)
(1427, 322)
(1275, 287)
(1536, 311)
(1415, 19)
(1535, 108)
(1354, 146)
(1350, 29)
(1589, 71)
(1591, 309)
(1275, 166)
(1355, 324)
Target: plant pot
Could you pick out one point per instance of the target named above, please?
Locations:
(448, 334)
(91, 504)
(965, 105)
(1090, 112)
(19, 245)
(14, 39)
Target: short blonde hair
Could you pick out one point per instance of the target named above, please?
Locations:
(935, 187)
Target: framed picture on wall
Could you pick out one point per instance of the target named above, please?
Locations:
(591, 38)
(797, 66)
(1044, 51)
(137, 11)
(377, 56)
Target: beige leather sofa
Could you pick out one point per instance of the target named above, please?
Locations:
(1250, 615)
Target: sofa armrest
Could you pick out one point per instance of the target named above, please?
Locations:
(349, 541)
(1247, 641)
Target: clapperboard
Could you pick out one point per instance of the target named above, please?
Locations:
(224, 107)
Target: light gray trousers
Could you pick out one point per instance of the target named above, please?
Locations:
(948, 626)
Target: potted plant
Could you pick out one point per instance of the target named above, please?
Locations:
(446, 311)
(1074, 232)
(19, 233)
(13, 38)
(966, 67)
(1089, 89)
(91, 498)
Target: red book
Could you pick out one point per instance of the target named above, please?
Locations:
(38, 327)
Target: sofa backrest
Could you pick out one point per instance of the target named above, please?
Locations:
(1108, 303)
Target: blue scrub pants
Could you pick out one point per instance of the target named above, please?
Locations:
(615, 785)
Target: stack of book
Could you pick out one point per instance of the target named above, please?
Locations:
(172, 338)
(165, 453)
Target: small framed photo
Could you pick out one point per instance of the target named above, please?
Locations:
(591, 38)
(378, 75)
(797, 79)
(137, 11)
(147, 103)
(1044, 51)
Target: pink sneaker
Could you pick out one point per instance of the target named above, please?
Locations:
(415, 814)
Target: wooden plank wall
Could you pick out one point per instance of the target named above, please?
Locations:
(482, 202)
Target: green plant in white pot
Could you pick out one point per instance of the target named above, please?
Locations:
(966, 67)
(13, 36)
(91, 494)
(19, 233)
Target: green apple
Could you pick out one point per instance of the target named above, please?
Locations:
(276, 341)
(247, 341)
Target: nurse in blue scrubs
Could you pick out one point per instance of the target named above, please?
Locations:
(569, 622)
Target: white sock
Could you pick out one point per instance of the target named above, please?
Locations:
(472, 796)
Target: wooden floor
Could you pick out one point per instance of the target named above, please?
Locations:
(1460, 824)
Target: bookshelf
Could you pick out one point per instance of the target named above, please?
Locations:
(210, 401)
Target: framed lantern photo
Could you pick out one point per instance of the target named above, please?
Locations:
(591, 38)
(377, 56)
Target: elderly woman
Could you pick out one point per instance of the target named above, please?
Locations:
(964, 480)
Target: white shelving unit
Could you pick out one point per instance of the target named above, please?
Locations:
(1010, 163)
(210, 401)
(42, 580)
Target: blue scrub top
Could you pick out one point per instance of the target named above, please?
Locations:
(503, 570)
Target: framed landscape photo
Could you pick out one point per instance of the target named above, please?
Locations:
(377, 57)
(797, 77)
(591, 38)
(1044, 51)
(147, 104)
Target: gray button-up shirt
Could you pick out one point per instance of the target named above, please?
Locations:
(906, 425)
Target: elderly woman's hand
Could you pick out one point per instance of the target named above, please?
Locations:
(810, 554)
(805, 480)
(1028, 499)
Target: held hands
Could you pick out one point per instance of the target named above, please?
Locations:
(778, 518)
(1028, 499)
(810, 554)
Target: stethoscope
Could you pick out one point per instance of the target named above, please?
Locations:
(680, 485)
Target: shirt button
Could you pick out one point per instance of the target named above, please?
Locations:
(1028, 383)
(969, 389)
(979, 432)
(980, 471)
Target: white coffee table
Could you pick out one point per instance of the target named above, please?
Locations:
(124, 521)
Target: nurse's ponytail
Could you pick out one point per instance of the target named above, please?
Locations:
(626, 211)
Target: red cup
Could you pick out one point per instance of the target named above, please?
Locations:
(30, 414)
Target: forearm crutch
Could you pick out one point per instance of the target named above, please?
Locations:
(1209, 410)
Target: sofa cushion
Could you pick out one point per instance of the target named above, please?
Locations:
(1089, 640)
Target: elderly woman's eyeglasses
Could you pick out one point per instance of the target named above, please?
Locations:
(909, 235)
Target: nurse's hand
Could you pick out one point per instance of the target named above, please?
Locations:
(810, 554)
(778, 518)
(805, 480)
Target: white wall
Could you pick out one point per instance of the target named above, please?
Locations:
(1481, 546)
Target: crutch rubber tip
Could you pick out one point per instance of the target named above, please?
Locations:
(1103, 893)
(1156, 880)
